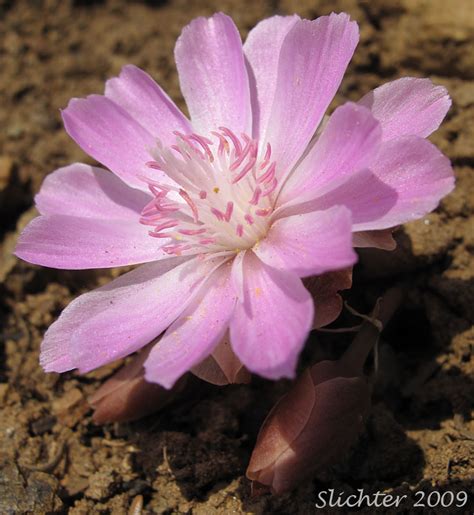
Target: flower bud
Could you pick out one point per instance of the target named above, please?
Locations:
(311, 427)
(127, 396)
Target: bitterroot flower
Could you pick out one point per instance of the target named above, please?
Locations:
(230, 209)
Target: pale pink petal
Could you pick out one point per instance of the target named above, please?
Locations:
(86, 191)
(313, 58)
(123, 316)
(105, 131)
(363, 193)
(410, 177)
(213, 76)
(408, 106)
(347, 144)
(144, 100)
(270, 325)
(310, 243)
(222, 367)
(374, 239)
(75, 243)
(262, 51)
(195, 334)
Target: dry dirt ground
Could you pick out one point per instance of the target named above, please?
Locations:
(192, 457)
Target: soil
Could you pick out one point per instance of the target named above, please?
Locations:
(191, 458)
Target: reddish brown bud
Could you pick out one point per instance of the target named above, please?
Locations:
(311, 427)
(127, 396)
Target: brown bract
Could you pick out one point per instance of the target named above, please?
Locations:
(382, 239)
(222, 367)
(325, 292)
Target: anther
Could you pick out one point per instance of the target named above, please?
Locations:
(256, 196)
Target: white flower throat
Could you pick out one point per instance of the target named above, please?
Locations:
(223, 200)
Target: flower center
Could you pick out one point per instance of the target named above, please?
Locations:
(223, 198)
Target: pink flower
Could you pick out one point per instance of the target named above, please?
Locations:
(231, 209)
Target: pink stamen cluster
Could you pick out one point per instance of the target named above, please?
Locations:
(224, 199)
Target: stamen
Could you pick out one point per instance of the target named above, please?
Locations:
(154, 165)
(176, 249)
(206, 223)
(271, 189)
(268, 153)
(166, 225)
(204, 142)
(228, 211)
(246, 170)
(241, 157)
(159, 234)
(158, 190)
(233, 138)
(192, 232)
(180, 151)
(256, 196)
(190, 203)
(223, 143)
(207, 241)
(268, 175)
(218, 214)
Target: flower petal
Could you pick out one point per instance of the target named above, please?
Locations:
(313, 59)
(86, 191)
(270, 325)
(123, 316)
(195, 334)
(408, 106)
(109, 134)
(347, 144)
(75, 243)
(213, 76)
(410, 177)
(146, 102)
(262, 51)
(310, 244)
(368, 198)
